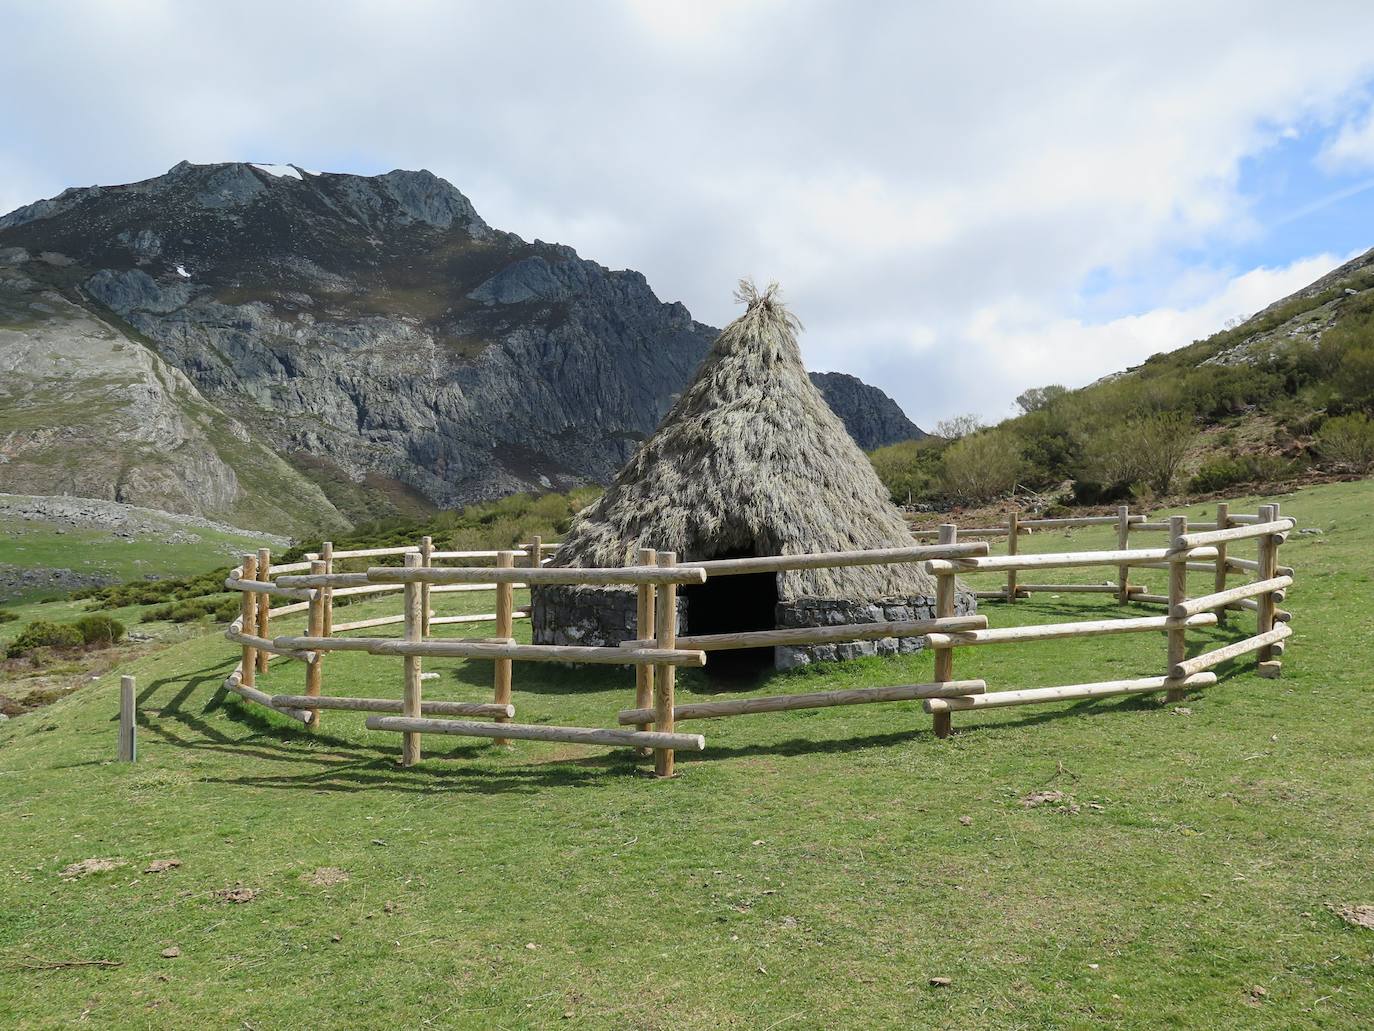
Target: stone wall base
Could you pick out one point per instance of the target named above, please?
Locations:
(605, 618)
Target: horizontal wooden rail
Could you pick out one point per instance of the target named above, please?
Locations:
(480, 617)
(990, 531)
(339, 581)
(286, 610)
(264, 587)
(1054, 631)
(235, 683)
(815, 700)
(1251, 605)
(1207, 602)
(346, 592)
(500, 648)
(289, 567)
(1214, 658)
(268, 644)
(832, 559)
(537, 732)
(476, 554)
(591, 576)
(1064, 560)
(1072, 521)
(376, 552)
(465, 588)
(372, 644)
(805, 635)
(1066, 588)
(1070, 692)
(305, 701)
(1248, 565)
(363, 624)
(1233, 533)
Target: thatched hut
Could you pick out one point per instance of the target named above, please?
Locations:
(750, 461)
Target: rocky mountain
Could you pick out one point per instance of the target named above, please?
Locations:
(873, 419)
(289, 349)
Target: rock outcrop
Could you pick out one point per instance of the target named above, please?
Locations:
(373, 332)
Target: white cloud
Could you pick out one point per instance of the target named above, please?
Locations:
(1352, 149)
(922, 179)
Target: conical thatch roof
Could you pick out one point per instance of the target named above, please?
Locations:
(751, 459)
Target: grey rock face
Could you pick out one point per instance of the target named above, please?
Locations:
(377, 327)
(872, 418)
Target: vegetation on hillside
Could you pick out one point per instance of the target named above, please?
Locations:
(1177, 421)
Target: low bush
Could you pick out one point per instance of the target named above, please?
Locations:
(99, 629)
(44, 634)
(1229, 470)
(1347, 442)
(6, 616)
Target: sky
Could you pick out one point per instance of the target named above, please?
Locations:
(960, 200)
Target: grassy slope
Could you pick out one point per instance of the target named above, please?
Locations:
(808, 869)
(33, 544)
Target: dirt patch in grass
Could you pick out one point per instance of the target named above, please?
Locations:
(325, 877)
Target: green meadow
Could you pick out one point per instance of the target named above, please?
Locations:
(808, 869)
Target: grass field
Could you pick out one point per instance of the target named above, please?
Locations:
(809, 869)
(33, 544)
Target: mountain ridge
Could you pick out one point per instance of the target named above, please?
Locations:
(373, 331)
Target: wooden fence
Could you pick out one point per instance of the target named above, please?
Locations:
(656, 653)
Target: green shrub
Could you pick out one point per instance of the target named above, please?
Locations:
(1228, 470)
(981, 467)
(99, 629)
(6, 616)
(1347, 442)
(43, 634)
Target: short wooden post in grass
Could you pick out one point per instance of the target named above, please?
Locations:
(665, 676)
(1123, 541)
(248, 610)
(426, 559)
(1267, 665)
(327, 557)
(314, 669)
(536, 551)
(944, 607)
(410, 702)
(128, 722)
(1013, 528)
(505, 627)
(1219, 582)
(264, 603)
(1178, 594)
(644, 629)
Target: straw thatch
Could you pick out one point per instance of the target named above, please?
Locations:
(751, 460)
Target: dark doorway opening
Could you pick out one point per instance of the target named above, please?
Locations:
(733, 604)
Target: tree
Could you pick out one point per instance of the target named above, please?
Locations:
(958, 426)
(1037, 398)
(1146, 451)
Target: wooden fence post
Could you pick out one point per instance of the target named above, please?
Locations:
(248, 609)
(314, 670)
(505, 627)
(264, 603)
(410, 704)
(1219, 582)
(1267, 665)
(536, 551)
(1123, 541)
(645, 628)
(1013, 529)
(665, 634)
(1178, 594)
(944, 607)
(427, 560)
(327, 557)
(128, 722)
